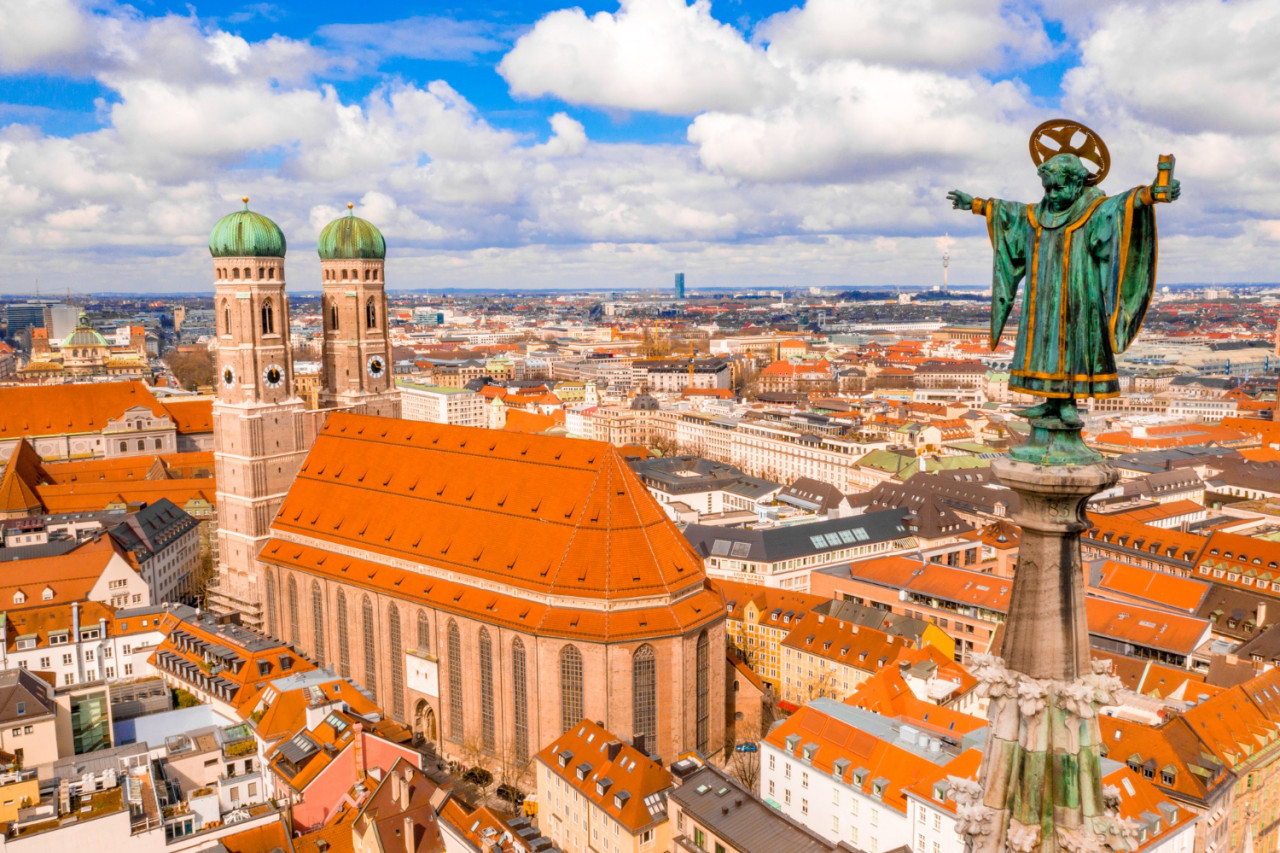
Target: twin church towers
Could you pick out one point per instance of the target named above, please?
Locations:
(262, 429)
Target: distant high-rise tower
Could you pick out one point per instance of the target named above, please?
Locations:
(946, 262)
(679, 285)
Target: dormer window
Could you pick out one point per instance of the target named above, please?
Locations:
(582, 770)
(19, 597)
(47, 595)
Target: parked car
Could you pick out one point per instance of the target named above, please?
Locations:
(747, 746)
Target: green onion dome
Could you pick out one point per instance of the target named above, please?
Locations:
(245, 234)
(351, 238)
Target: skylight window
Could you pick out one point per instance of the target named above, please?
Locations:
(740, 549)
(818, 541)
(846, 536)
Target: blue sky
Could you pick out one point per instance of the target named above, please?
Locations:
(609, 143)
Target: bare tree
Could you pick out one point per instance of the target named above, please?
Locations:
(745, 768)
(192, 367)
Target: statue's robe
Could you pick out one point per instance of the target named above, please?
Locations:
(1090, 271)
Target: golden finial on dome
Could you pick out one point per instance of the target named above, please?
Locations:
(245, 199)
(350, 209)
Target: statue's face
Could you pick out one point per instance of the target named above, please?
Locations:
(1060, 190)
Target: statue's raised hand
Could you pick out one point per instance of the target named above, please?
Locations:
(1175, 189)
(959, 200)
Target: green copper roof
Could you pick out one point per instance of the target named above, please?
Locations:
(84, 336)
(350, 237)
(245, 234)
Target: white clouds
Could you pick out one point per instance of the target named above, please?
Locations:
(1204, 66)
(37, 34)
(824, 157)
(415, 38)
(955, 35)
(657, 55)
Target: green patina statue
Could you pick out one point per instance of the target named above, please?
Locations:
(1089, 261)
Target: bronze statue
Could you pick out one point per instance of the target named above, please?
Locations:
(1090, 264)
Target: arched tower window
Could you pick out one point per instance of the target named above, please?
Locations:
(235, 273)
(262, 273)
(644, 696)
(370, 314)
(424, 632)
(333, 316)
(488, 738)
(396, 648)
(570, 688)
(455, 683)
(520, 693)
(268, 317)
(702, 670)
(344, 275)
(375, 273)
(370, 650)
(317, 622)
(344, 649)
(271, 596)
(293, 611)
(226, 317)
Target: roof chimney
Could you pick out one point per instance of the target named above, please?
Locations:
(409, 845)
(1262, 615)
(615, 747)
(405, 790)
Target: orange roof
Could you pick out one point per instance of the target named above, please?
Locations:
(190, 414)
(589, 753)
(766, 600)
(837, 740)
(70, 576)
(283, 709)
(35, 410)
(260, 839)
(845, 643)
(520, 420)
(1156, 629)
(540, 514)
(887, 694)
(1155, 679)
(90, 497)
(1161, 588)
(1245, 562)
(1161, 512)
(21, 474)
(721, 393)
(1159, 542)
(39, 622)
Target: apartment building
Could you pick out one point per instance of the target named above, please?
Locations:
(596, 792)
(440, 404)
(785, 556)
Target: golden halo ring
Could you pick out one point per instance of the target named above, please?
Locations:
(1063, 136)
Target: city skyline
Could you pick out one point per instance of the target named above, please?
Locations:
(541, 146)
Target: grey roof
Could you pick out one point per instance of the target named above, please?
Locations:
(18, 687)
(1151, 461)
(679, 475)
(809, 493)
(52, 548)
(153, 528)
(729, 811)
(866, 616)
(769, 545)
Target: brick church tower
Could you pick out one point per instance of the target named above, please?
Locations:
(356, 354)
(258, 442)
(262, 428)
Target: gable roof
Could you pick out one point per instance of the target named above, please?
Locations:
(36, 410)
(22, 473)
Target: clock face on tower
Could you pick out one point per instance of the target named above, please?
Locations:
(273, 376)
(228, 376)
(376, 365)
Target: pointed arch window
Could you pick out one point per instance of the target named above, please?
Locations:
(268, 317)
(370, 314)
(396, 644)
(333, 316)
(370, 649)
(488, 727)
(644, 696)
(702, 670)
(271, 597)
(226, 317)
(520, 693)
(570, 688)
(317, 622)
(344, 648)
(424, 632)
(455, 683)
(293, 611)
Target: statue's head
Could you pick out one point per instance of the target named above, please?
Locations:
(1063, 177)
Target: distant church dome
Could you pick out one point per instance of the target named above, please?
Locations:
(84, 337)
(245, 234)
(351, 238)
(645, 402)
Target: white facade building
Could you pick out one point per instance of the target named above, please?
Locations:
(439, 405)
